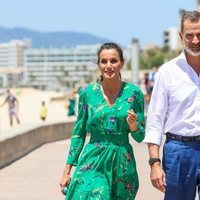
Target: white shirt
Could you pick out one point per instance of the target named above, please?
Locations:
(175, 102)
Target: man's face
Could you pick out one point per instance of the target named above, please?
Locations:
(191, 37)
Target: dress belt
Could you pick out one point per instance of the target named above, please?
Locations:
(117, 139)
(182, 138)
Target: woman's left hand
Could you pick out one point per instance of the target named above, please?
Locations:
(131, 120)
(65, 179)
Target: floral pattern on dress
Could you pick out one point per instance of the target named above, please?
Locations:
(106, 167)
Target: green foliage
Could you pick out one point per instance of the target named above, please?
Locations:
(155, 57)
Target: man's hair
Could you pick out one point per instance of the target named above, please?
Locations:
(192, 16)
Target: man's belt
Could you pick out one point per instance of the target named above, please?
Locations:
(182, 138)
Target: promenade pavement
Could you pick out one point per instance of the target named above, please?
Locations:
(36, 176)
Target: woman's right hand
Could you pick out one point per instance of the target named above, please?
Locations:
(65, 180)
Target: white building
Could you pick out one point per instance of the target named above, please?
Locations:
(11, 62)
(58, 68)
(11, 77)
(170, 38)
(11, 53)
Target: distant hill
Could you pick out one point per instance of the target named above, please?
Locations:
(49, 39)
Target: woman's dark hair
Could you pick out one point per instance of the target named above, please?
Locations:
(110, 45)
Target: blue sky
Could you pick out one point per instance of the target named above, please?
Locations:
(117, 20)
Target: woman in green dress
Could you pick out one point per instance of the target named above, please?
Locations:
(108, 110)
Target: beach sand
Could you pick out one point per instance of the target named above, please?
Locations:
(29, 107)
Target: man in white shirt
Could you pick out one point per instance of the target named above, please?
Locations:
(174, 111)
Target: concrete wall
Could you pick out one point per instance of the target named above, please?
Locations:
(19, 141)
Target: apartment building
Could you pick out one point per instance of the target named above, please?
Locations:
(11, 62)
(170, 38)
(58, 69)
(11, 53)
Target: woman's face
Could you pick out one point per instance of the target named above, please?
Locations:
(110, 64)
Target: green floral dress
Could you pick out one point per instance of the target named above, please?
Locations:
(106, 169)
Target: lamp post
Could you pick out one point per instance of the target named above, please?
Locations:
(135, 60)
(198, 5)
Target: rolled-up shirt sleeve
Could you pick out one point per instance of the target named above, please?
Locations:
(157, 110)
(79, 130)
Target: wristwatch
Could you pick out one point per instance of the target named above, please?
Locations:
(153, 160)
